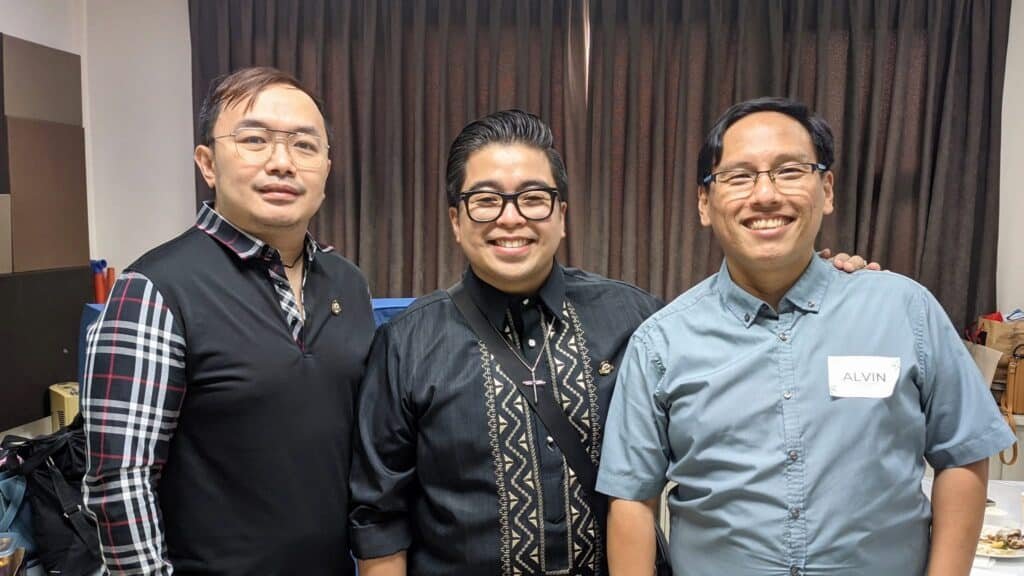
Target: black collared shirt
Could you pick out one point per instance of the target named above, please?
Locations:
(451, 463)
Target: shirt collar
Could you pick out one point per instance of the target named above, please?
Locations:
(494, 302)
(807, 294)
(242, 244)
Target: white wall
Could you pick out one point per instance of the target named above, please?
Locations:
(136, 109)
(1010, 270)
(138, 98)
(53, 23)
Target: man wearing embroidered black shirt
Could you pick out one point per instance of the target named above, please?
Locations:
(220, 381)
(454, 473)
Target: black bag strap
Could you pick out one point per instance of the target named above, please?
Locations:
(37, 451)
(554, 418)
(69, 506)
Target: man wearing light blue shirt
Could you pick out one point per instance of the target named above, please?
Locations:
(794, 405)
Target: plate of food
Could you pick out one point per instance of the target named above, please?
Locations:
(996, 542)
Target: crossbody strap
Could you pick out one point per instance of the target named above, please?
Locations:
(554, 418)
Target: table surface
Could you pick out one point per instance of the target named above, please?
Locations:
(1007, 495)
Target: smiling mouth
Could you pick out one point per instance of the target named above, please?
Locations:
(510, 243)
(767, 223)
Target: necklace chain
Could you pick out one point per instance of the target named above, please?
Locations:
(548, 328)
(294, 262)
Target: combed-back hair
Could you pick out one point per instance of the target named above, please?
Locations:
(504, 127)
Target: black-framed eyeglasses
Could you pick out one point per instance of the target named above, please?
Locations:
(255, 145)
(486, 205)
(788, 179)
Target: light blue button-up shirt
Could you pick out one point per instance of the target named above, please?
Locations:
(731, 399)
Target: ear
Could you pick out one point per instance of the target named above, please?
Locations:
(207, 166)
(327, 175)
(826, 183)
(453, 216)
(563, 207)
(703, 207)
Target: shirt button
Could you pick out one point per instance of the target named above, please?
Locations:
(531, 343)
(810, 304)
(787, 394)
(793, 455)
(794, 513)
(526, 302)
(550, 441)
(794, 571)
(746, 317)
(783, 336)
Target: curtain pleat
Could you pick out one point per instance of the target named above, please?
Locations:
(399, 80)
(912, 89)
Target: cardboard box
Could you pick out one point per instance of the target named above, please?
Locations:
(63, 403)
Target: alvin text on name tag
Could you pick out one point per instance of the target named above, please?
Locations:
(862, 376)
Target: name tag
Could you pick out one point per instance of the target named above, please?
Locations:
(862, 376)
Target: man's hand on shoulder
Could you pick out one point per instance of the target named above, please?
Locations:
(847, 263)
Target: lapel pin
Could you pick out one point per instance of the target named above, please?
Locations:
(335, 307)
(605, 368)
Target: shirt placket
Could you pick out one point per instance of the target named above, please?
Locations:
(793, 449)
(286, 299)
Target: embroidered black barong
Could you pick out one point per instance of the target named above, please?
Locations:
(451, 463)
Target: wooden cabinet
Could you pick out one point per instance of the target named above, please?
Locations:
(44, 233)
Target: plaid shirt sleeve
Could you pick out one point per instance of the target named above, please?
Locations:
(132, 391)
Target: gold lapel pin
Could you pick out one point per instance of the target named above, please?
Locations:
(335, 307)
(605, 368)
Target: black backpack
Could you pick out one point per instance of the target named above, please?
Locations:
(53, 466)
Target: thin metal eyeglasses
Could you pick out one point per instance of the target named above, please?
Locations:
(788, 178)
(486, 206)
(256, 146)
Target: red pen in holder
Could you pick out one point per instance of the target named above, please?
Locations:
(99, 288)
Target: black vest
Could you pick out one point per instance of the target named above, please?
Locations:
(256, 481)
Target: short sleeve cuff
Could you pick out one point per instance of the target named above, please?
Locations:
(382, 539)
(628, 488)
(995, 438)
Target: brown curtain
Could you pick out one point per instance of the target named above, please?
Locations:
(400, 79)
(912, 89)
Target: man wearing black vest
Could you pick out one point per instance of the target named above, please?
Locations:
(220, 381)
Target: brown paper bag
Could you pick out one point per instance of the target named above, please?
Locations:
(1002, 336)
(986, 358)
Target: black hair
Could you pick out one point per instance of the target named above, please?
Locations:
(821, 134)
(504, 127)
(230, 89)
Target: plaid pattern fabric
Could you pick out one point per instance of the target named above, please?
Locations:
(132, 391)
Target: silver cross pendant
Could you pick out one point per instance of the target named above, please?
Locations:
(533, 384)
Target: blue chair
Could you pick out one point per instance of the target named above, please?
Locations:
(90, 314)
(385, 309)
